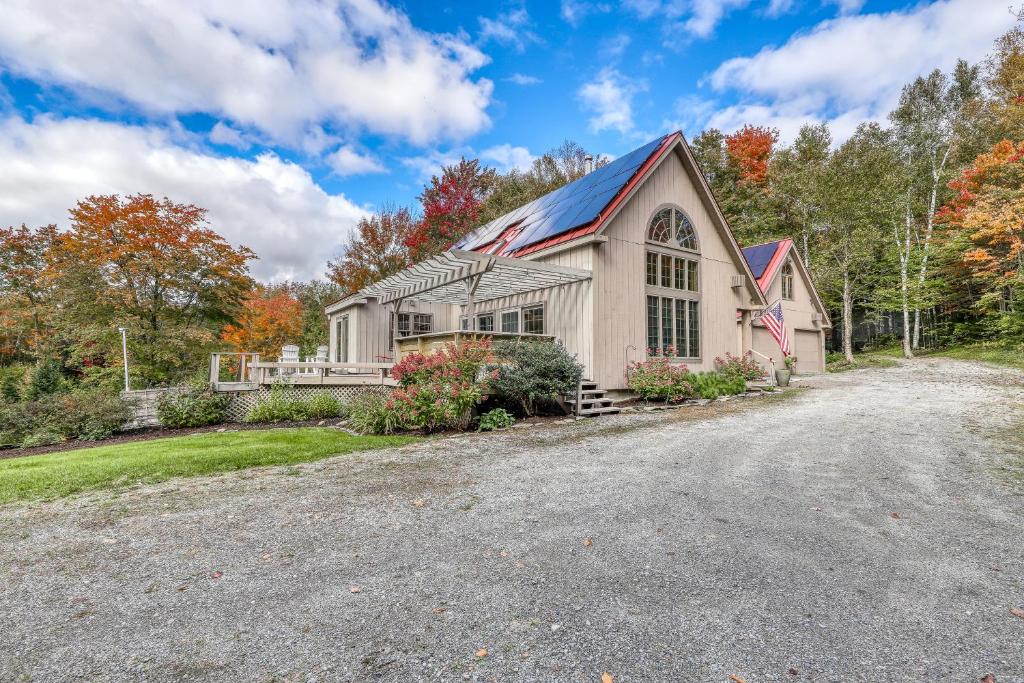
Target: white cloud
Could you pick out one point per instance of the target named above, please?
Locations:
(847, 6)
(853, 68)
(705, 15)
(696, 17)
(281, 66)
(575, 11)
(268, 204)
(509, 28)
(523, 79)
(614, 47)
(223, 134)
(779, 7)
(609, 99)
(346, 161)
(506, 157)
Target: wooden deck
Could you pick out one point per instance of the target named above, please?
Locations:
(246, 372)
(435, 341)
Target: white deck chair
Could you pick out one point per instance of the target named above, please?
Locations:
(321, 357)
(289, 354)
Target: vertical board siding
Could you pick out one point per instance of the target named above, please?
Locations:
(620, 285)
(799, 315)
(370, 327)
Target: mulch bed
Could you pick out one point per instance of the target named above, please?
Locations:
(150, 433)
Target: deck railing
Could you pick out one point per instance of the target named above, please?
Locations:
(232, 371)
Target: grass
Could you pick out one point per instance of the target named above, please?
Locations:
(996, 354)
(873, 359)
(48, 476)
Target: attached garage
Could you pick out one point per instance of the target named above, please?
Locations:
(807, 348)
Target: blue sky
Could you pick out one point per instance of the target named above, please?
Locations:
(290, 119)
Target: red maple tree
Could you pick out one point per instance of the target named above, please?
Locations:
(451, 208)
(750, 148)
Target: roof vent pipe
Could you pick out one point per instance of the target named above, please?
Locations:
(588, 163)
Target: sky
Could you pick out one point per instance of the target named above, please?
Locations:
(291, 119)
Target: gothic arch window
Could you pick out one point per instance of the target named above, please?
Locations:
(787, 281)
(670, 226)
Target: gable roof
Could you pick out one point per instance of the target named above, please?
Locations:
(571, 211)
(766, 261)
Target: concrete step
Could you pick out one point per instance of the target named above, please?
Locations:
(593, 412)
(591, 402)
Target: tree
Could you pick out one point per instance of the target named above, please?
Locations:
(1004, 80)
(795, 175)
(378, 249)
(929, 125)
(269, 319)
(451, 208)
(25, 289)
(314, 296)
(750, 148)
(154, 267)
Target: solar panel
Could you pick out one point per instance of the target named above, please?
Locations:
(759, 257)
(568, 207)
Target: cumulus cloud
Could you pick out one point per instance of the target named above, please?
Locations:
(346, 161)
(224, 134)
(507, 157)
(609, 99)
(503, 157)
(852, 68)
(575, 11)
(281, 66)
(509, 28)
(268, 204)
(706, 14)
(523, 79)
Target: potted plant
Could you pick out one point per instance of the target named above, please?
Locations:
(782, 375)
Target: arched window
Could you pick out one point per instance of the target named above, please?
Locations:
(787, 281)
(670, 224)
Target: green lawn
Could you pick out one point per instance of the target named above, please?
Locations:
(872, 359)
(996, 354)
(60, 474)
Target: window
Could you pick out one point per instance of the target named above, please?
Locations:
(485, 322)
(666, 270)
(679, 279)
(411, 323)
(673, 327)
(533, 319)
(652, 269)
(422, 323)
(464, 323)
(787, 281)
(510, 322)
(691, 279)
(671, 224)
(342, 340)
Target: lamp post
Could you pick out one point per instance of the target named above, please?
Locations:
(124, 351)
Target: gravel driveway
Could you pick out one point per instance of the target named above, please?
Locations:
(866, 528)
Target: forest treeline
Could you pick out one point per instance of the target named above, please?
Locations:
(922, 211)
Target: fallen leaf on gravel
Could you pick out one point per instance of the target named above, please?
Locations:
(1017, 612)
(266, 556)
(587, 542)
(439, 610)
(355, 589)
(419, 502)
(482, 652)
(895, 515)
(181, 589)
(216, 575)
(816, 509)
(736, 679)
(988, 678)
(503, 553)
(792, 672)
(607, 678)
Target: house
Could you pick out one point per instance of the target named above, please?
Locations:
(633, 259)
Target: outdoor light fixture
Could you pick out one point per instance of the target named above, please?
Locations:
(124, 351)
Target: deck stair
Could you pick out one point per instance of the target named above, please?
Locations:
(592, 401)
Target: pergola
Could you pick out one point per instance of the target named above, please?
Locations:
(464, 277)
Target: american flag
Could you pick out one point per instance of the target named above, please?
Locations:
(772, 320)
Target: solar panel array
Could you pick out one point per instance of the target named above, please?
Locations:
(759, 257)
(568, 207)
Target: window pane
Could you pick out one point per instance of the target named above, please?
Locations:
(680, 327)
(666, 327)
(666, 270)
(694, 329)
(692, 279)
(652, 269)
(422, 323)
(403, 324)
(510, 322)
(652, 323)
(685, 235)
(485, 322)
(463, 323)
(533, 320)
(679, 271)
(660, 229)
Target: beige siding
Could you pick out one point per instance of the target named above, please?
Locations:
(799, 316)
(369, 327)
(620, 309)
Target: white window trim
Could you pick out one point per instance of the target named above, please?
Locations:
(672, 244)
(519, 320)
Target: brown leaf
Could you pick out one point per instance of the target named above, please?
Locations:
(355, 589)
(482, 652)
(736, 679)
(265, 556)
(792, 671)
(988, 678)
(503, 553)
(895, 515)
(439, 610)
(1017, 612)
(419, 502)
(816, 509)
(216, 575)
(587, 542)
(607, 678)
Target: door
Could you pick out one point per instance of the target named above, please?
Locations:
(807, 349)
(342, 356)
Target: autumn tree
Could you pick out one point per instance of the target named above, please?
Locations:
(451, 208)
(154, 267)
(25, 288)
(1004, 81)
(378, 248)
(269, 318)
(795, 178)
(750, 148)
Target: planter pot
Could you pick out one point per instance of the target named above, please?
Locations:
(782, 377)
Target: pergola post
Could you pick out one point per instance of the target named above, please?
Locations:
(471, 285)
(394, 329)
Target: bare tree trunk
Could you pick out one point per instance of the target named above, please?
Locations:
(905, 279)
(929, 230)
(847, 318)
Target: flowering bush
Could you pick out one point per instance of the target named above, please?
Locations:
(745, 366)
(452, 363)
(436, 405)
(659, 379)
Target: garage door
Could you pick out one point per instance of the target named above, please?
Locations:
(807, 349)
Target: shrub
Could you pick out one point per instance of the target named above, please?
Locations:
(499, 418)
(277, 408)
(87, 414)
(711, 385)
(43, 437)
(12, 382)
(45, 379)
(323, 405)
(450, 363)
(375, 414)
(659, 379)
(745, 366)
(191, 407)
(531, 372)
(790, 362)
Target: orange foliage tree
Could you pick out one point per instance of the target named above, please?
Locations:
(269, 319)
(377, 250)
(750, 148)
(988, 210)
(25, 292)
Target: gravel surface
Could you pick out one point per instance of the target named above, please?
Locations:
(867, 528)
